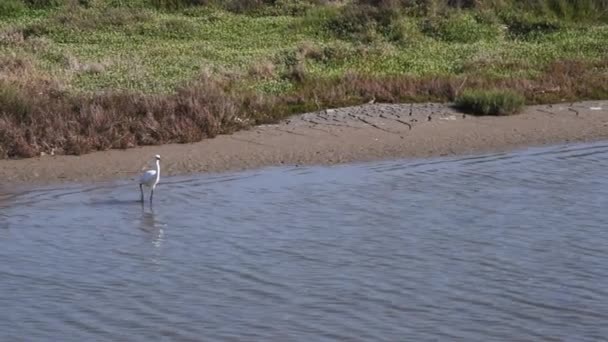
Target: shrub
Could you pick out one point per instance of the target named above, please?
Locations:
(424, 5)
(293, 7)
(177, 4)
(42, 3)
(335, 53)
(263, 69)
(273, 7)
(527, 25)
(236, 6)
(460, 28)
(247, 6)
(352, 22)
(13, 101)
(38, 117)
(11, 8)
(572, 10)
(178, 28)
(12, 65)
(11, 35)
(405, 31)
(89, 19)
(261, 7)
(35, 30)
(490, 102)
(317, 17)
(363, 22)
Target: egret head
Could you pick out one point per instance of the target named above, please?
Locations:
(157, 157)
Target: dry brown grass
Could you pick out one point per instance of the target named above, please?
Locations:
(78, 18)
(560, 81)
(263, 69)
(35, 119)
(12, 65)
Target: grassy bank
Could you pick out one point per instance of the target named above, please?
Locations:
(83, 75)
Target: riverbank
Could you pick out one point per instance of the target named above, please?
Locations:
(363, 133)
(83, 76)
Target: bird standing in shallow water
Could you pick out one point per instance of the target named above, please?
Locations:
(150, 178)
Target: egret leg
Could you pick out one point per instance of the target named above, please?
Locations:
(151, 195)
(141, 189)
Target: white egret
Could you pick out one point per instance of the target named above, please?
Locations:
(150, 178)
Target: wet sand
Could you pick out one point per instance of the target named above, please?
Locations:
(363, 133)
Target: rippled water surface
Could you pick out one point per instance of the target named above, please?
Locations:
(509, 246)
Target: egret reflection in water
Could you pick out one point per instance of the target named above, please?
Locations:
(152, 226)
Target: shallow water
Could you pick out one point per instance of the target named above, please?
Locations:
(509, 246)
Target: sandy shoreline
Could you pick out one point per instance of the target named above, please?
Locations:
(362, 133)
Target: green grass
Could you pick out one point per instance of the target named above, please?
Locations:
(153, 51)
(295, 55)
(490, 102)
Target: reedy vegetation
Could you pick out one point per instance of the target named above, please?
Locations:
(84, 75)
(490, 102)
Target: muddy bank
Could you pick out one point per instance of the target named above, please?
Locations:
(362, 133)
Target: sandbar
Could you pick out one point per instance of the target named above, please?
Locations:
(367, 132)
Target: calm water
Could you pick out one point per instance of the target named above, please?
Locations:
(498, 247)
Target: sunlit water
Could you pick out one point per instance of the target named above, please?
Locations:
(510, 246)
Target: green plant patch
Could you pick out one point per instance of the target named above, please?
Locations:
(490, 102)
